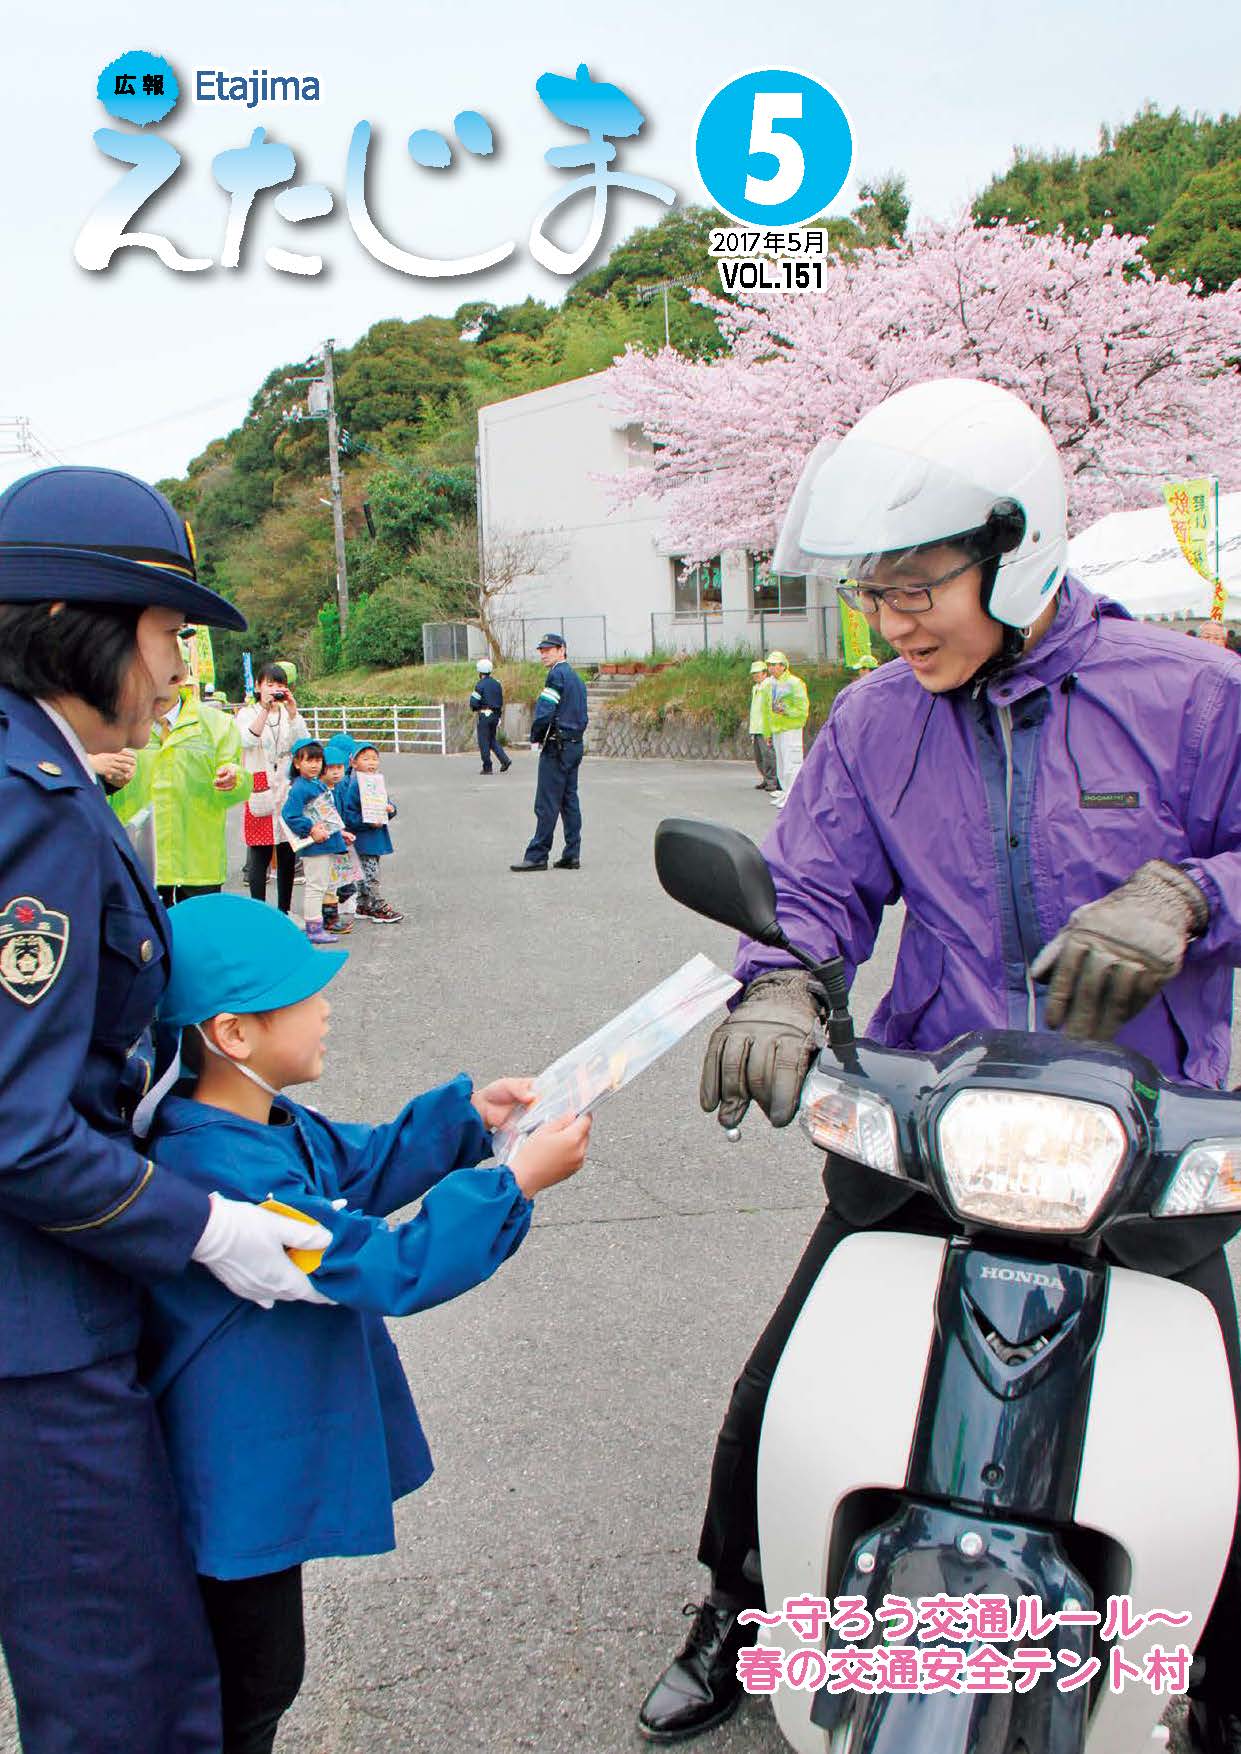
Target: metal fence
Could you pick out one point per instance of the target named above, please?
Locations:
(585, 636)
(403, 729)
(445, 642)
(806, 633)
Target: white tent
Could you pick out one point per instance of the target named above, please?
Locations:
(1135, 558)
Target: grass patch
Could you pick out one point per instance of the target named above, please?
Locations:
(420, 684)
(716, 686)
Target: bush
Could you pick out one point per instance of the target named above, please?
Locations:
(385, 629)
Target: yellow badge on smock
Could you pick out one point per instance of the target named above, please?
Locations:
(33, 943)
(306, 1259)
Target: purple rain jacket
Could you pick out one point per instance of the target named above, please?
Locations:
(995, 810)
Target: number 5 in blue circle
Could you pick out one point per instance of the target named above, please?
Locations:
(774, 148)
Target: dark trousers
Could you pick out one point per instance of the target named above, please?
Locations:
(171, 893)
(765, 761)
(489, 742)
(730, 1528)
(555, 798)
(257, 861)
(260, 1641)
(101, 1622)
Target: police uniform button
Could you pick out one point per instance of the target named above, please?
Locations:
(146, 950)
(49, 767)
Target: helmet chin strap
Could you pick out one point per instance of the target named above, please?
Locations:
(235, 1064)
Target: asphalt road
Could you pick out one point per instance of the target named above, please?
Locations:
(572, 1402)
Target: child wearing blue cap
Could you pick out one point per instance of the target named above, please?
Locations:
(339, 901)
(291, 1431)
(372, 840)
(310, 814)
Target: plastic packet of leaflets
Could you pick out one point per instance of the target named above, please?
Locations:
(614, 1055)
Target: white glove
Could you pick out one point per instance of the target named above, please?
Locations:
(244, 1247)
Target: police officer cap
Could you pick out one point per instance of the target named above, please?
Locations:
(233, 954)
(483, 666)
(78, 535)
(551, 639)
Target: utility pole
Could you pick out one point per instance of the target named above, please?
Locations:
(338, 515)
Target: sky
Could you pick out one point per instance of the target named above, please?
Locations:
(138, 367)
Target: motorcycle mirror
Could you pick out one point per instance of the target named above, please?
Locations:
(719, 873)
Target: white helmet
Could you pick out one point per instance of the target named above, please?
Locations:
(949, 461)
(483, 666)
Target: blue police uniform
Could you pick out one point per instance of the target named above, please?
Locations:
(559, 725)
(292, 1430)
(487, 701)
(100, 1617)
(101, 1621)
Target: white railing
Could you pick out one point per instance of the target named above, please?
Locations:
(403, 729)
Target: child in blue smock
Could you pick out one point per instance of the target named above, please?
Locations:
(291, 1430)
(372, 840)
(311, 816)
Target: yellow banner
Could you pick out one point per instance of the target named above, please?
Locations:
(1190, 507)
(855, 639)
(204, 660)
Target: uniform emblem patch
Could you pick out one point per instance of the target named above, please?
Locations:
(33, 942)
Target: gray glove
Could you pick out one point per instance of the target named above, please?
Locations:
(764, 1049)
(1112, 958)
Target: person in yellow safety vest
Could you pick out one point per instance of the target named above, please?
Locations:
(790, 708)
(191, 774)
(760, 727)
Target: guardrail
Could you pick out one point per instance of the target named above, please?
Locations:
(403, 729)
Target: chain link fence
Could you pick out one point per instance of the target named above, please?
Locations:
(809, 633)
(585, 636)
(445, 642)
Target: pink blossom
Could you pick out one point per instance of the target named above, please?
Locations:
(1129, 372)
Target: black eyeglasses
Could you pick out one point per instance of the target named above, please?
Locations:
(905, 599)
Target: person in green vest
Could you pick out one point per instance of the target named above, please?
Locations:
(191, 774)
(790, 708)
(760, 727)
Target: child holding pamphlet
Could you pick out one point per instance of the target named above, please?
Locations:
(291, 1430)
(311, 816)
(367, 810)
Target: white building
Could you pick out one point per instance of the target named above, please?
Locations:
(603, 576)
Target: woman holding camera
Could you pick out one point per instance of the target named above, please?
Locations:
(269, 729)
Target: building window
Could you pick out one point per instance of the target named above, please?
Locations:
(699, 590)
(775, 596)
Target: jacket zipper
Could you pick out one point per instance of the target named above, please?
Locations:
(1006, 731)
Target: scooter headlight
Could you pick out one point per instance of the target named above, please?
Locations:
(841, 1117)
(1027, 1161)
(1207, 1178)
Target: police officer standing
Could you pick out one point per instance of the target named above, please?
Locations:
(487, 701)
(101, 1622)
(559, 725)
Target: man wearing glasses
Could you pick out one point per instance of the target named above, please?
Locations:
(1054, 792)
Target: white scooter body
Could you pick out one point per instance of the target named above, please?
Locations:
(842, 1413)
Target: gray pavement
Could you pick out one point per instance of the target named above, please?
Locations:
(571, 1404)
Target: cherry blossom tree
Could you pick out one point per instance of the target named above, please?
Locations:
(1136, 378)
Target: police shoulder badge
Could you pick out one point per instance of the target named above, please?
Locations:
(33, 942)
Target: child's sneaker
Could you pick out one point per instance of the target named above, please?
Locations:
(338, 927)
(317, 933)
(384, 912)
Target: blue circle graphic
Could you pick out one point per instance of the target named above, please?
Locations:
(138, 87)
(774, 148)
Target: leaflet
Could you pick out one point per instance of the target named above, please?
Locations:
(615, 1054)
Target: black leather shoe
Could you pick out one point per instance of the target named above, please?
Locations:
(565, 863)
(1212, 1731)
(506, 767)
(700, 1689)
(529, 865)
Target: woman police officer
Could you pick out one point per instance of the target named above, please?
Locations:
(100, 1619)
(1054, 791)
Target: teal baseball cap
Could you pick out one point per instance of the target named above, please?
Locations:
(230, 953)
(338, 750)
